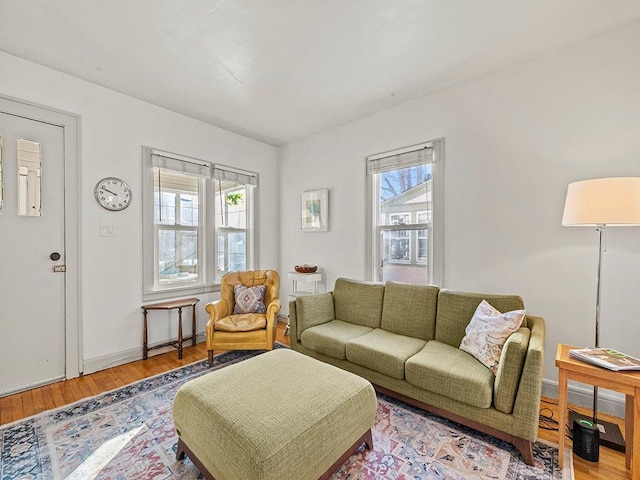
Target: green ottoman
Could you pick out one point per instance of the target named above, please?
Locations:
(278, 415)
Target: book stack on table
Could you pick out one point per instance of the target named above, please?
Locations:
(606, 358)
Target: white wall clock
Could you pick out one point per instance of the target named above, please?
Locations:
(113, 194)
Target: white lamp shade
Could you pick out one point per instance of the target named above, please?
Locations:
(603, 201)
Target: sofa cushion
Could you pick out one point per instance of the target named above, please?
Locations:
(509, 372)
(359, 303)
(448, 371)
(383, 351)
(410, 309)
(487, 331)
(331, 338)
(455, 310)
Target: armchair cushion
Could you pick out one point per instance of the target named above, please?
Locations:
(249, 299)
(245, 322)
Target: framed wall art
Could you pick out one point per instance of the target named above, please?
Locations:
(314, 210)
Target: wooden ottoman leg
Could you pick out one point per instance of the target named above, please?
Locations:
(180, 453)
(367, 438)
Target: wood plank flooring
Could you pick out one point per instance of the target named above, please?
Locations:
(24, 404)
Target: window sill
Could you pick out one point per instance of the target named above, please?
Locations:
(167, 293)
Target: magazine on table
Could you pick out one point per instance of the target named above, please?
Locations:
(607, 358)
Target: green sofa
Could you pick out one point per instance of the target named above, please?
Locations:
(404, 339)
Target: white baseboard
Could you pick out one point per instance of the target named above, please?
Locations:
(608, 401)
(102, 362)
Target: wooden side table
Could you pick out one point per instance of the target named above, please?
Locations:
(179, 304)
(624, 382)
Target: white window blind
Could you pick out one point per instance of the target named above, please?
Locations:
(190, 167)
(235, 177)
(399, 160)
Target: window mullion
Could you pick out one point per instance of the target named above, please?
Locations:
(412, 226)
(189, 228)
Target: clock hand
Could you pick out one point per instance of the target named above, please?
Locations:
(107, 190)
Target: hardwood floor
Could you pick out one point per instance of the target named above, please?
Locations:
(611, 464)
(24, 404)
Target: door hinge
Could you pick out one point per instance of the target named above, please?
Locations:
(59, 268)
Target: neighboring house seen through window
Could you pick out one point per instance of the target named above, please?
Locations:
(198, 223)
(404, 198)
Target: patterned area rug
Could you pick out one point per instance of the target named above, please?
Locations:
(128, 434)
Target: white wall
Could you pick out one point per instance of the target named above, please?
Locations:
(513, 141)
(113, 127)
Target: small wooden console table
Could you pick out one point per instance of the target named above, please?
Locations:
(624, 382)
(179, 304)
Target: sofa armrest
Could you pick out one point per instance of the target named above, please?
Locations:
(311, 310)
(510, 369)
(526, 409)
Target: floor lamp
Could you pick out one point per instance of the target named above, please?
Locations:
(599, 203)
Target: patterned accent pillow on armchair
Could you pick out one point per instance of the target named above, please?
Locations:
(249, 299)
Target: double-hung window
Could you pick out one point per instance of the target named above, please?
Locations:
(197, 223)
(178, 226)
(232, 199)
(404, 189)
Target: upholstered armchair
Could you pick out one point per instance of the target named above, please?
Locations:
(227, 330)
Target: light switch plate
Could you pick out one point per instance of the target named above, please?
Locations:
(107, 230)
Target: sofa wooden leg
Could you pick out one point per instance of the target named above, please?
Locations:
(525, 447)
(210, 354)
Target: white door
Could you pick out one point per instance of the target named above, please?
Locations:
(32, 232)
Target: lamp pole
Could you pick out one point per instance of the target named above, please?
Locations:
(600, 228)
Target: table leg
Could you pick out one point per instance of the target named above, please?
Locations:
(633, 435)
(562, 413)
(628, 429)
(193, 326)
(180, 332)
(145, 350)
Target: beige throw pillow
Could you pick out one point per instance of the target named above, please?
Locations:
(488, 331)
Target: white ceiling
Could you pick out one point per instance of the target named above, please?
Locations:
(277, 70)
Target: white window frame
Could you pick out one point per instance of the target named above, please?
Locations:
(179, 227)
(207, 240)
(248, 231)
(435, 227)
